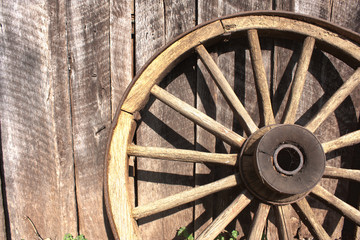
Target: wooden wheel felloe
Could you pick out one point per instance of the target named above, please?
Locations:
(277, 164)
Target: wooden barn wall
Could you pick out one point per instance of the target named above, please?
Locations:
(64, 66)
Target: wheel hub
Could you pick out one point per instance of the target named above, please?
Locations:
(281, 163)
(288, 159)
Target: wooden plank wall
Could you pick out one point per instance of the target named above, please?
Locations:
(156, 23)
(64, 66)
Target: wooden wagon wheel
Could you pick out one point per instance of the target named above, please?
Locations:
(278, 164)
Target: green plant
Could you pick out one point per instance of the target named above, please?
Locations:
(68, 236)
(183, 233)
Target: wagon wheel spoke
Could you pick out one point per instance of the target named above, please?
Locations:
(185, 197)
(308, 217)
(281, 222)
(259, 221)
(341, 173)
(299, 80)
(343, 141)
(181, 155)
(336, 99)
(246, 121)
(260, 77)
(347, 210)
(215, 228)
(198, 117)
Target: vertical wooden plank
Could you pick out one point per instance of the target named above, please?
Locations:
(122, 60)
(4, 217)
(347, 14)
(234, 61)
(318, 8)
(206, 89)
(4, 220)
(325, 75)
(149, 36)
(157, 22)
(286, 55)
(61, 115)
(149, 30)
(121, 49)
(88, 46)
(37, 167)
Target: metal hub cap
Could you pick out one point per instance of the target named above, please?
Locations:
(281, 163)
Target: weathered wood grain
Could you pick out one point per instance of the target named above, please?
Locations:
(160, 66)
(185, 196)
(309, 218)
(336, 99)
(260, 78)
(316, 81)
(149, 37)
(205, 102)
(259, 221)
(4, 220)
(342, 173)
(343, 141)
(231, 212)
(198, 117)
(121, 49)
(234, 63)
(285, 54)
(246, 122)
(156, 23)
(320, 8)
(282, 222)
(297, 85)
(36, 106)
(182, 155)
(88, 46)
(297, 27)
(62, 117)
(330, 199)
(346, 14)
(286, 57)
(205, 141)
(35, 120)
(118, 188)
(121, 59)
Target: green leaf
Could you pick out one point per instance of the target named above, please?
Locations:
(220, 237)
(80, 237)
(235, 234)
(182, 232)
(68, 236)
